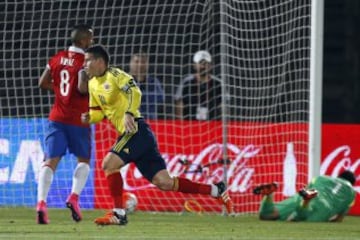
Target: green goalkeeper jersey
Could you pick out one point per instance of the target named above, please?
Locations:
(335, 197)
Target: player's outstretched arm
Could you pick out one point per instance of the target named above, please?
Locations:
(45, 81)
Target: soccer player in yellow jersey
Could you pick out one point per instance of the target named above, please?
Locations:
(115, 95)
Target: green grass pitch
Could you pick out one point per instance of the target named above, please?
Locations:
(19, 223)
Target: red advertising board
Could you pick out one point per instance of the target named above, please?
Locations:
(256, 154)
(341, 150)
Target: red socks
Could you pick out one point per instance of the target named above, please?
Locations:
(187, 186)
(115, 183)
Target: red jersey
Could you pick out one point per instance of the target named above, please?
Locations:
(69, 103)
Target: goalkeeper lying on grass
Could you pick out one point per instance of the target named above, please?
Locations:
(325, 199)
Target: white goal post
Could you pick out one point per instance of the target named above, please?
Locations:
(265, 54)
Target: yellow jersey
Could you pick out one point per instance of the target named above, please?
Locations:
(112, 95)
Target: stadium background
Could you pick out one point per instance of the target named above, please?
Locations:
(341, 54)
(341, 60)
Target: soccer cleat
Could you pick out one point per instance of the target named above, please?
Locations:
(42, 214)
(265, 189)
(73, 204)
(308, 194)
(224, 198)
(111, 218)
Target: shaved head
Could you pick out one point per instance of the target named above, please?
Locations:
(81, 32)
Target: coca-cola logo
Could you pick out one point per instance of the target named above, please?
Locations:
(208, 166)
(338, 160)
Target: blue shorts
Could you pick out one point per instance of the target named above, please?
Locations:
(141, 149)
(61, 137)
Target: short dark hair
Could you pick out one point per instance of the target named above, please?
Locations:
(99, 51)
(349, 176)
(80, 32)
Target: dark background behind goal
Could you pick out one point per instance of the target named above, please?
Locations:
(341, 77)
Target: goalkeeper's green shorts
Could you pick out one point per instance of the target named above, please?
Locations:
(291, 210)
(285, 208)
(288, 208)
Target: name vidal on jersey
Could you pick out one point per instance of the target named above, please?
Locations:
(67, 61)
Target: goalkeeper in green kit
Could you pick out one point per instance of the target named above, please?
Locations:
(325, 199)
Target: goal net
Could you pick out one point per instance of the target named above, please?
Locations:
(260, 61)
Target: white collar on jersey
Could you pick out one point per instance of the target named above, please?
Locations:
(76, 49)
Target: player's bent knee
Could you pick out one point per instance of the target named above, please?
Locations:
(111, 162)
(52, 163)
(107, 166)
(164, 184)
(104, 165)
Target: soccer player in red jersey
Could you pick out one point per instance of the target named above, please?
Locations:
(64, 75)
